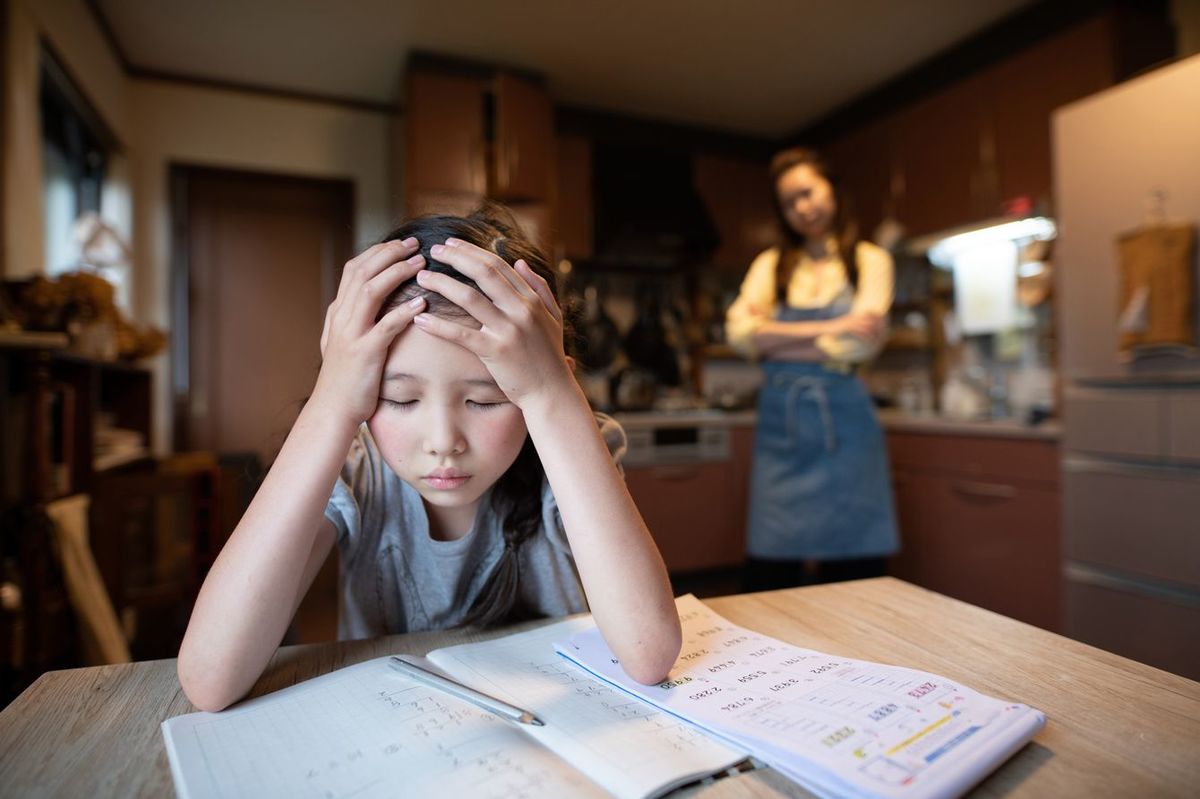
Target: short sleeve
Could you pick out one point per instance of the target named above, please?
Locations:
(755, 304)
(876, 285)
(352, 492)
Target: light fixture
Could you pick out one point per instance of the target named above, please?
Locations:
(945, 248)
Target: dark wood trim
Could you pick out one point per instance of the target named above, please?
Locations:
(3, 159)
(426, 61)
(134, 71)
(997, 42)
(599, 125)
(106, 30)
(265, 91)
(179, 361)
(55, 68)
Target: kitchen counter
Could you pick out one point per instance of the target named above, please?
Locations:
(891, 419)
(703, 417)
(929, 423)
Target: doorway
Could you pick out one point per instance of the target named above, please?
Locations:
(257, 261)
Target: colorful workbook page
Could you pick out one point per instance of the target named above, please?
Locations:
(364, 731)
(840, 727)
(624, 744)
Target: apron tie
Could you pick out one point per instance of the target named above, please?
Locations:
(814, 387)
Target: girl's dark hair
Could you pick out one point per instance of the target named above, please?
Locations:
(517, 495)
(791, 243)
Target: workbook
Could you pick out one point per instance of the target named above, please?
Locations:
(734, 700)
(839, 727)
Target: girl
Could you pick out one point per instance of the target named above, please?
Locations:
(480, 490)
(812, 310)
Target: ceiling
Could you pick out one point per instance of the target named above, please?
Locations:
(758, 67)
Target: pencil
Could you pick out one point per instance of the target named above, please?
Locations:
(477, 698)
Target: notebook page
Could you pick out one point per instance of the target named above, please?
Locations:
(364, 731)
(620, 741)
(839, 726)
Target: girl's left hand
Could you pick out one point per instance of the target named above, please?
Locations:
(520, 338)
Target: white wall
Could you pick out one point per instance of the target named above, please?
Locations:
(175, 123)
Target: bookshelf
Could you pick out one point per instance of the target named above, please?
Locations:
(57, 411)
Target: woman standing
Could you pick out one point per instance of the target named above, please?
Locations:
(811, 310)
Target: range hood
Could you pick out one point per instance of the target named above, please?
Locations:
(648, 214)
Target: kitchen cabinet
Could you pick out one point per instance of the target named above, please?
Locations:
(979, 521)
(954, 156)
(472, 132)
(444, 135)
(523, 150)
(696, 511)
(573, 196)
(737, 195)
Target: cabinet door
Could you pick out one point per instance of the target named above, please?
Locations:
(737, 195)
(691, 534)
(867, 161)
(940, 146)
(444, 129)
(573, 200)
(992, 543)
(524, 144)
(1026, 89)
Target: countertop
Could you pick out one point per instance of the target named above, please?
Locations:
(930, 423)
(891, 419)
(1114, 727)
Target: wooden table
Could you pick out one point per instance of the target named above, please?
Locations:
(1114, 727)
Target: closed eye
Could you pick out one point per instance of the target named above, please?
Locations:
(486, 405)
(399, 404)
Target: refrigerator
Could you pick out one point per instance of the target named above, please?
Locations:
(1127, 166)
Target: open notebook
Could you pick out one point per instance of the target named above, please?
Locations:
(367, 731)
(839, 727)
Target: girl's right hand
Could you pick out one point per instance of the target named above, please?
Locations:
(353, 345)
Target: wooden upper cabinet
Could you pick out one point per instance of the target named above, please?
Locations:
(573, 198)
(955, 156)
(1027, 88)
(940, 150)
(524, 153)
(737, 194)
(444, 135)
(867, 163)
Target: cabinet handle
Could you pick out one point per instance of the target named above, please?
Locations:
(683, 472)
(985, 490)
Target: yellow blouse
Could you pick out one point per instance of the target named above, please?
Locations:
(814, 284)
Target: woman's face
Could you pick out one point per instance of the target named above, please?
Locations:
(807, 201)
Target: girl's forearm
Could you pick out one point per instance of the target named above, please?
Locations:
(250, 594)
(774, 334)
(620, 566)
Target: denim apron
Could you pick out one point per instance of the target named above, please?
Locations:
(820, 487)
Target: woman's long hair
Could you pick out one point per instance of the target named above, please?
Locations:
(517, 495)
(791, 243)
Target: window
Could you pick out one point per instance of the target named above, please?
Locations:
(74, 159)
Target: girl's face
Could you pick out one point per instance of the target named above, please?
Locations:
(807, 201)
(444, 427)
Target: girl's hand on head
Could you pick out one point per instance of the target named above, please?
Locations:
(353, 345)
(520, 338)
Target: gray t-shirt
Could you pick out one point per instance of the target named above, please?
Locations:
(395, 578)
